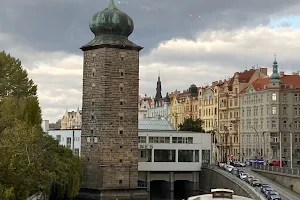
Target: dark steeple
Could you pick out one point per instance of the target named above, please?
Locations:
(158, 96)
(275, 77)
(111, 28)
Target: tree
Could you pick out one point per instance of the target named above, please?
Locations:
(31, 160)
(191, 125)
(14, 79)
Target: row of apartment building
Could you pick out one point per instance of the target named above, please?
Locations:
(246, 113)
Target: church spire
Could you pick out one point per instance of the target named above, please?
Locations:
(275, 77)
(158, 96)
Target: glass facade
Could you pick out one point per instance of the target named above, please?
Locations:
(188, 155)
(205, 156)
(180, 140)
(142, 139)
(159, 139)
(69, 140)
(164, 155)
(145, 155)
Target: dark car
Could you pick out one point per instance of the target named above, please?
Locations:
(264, 186)
(249, 178)
(273, 195)
(267, 191)
(255, 183)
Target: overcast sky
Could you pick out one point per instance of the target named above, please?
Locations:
(189, 42)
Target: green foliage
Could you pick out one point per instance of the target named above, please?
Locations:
(14, 79)
(31, 160)
(191, 125)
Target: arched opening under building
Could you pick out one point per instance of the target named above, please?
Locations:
(183, 189)
(159, 189)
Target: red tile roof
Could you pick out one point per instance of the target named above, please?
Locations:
(286, 80)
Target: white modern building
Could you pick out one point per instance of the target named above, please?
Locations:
(164, 153)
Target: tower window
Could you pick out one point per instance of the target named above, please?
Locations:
(120, 182)
(121, 147)
(121, 118)
(88, 139)
(121, 132)
(121, 160)
(93, 103)
(121, 72)
(121, 86)
(92, 132)
(93, 72)
(92, 117)
(95, 139)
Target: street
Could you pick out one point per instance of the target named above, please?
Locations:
(285, 193)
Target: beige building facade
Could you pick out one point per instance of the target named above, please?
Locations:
(270, 106)
(71, 120)
(229, 112)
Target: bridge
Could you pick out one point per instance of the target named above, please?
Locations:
(215, 177)
(288, 178)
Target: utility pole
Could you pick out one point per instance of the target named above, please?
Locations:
(226, 142)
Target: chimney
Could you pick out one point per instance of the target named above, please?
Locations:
(281, 73)
(264, 71)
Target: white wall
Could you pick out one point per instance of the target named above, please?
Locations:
(45, 125)
(65, 134)
(201, 141)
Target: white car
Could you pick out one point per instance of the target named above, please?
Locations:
(243, 176)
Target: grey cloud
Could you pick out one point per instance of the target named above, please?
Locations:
(63, 25)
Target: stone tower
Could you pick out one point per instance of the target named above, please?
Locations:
(110, 105)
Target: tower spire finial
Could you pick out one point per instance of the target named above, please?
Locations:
(275, 56)
(112, 4)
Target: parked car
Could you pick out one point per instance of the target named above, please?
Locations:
(263, 186)
(273, 195)
(255, 183)
(249, 178)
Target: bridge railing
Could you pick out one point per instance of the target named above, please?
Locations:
(283, 170)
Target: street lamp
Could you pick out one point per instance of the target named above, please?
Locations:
(214, 140)
(226, 142)
(291, 144)
(264, 153)
(258, 142)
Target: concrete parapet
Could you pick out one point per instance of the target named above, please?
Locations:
(289, 181)
(113, 194)
(211, 178)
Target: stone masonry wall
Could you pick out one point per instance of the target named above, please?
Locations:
(110, 118)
